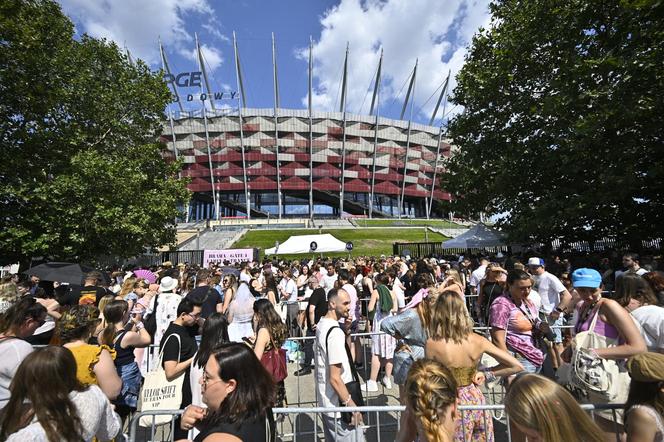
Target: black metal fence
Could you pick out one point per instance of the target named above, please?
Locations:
(191, 257)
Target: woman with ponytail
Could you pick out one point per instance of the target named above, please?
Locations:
(431, 397)
(124, 335)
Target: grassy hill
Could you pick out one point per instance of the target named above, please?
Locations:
(366, 242)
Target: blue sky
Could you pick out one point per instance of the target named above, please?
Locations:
(436, 32)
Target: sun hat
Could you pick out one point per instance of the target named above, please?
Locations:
(535, 262)
(586, 278)
(167, 284)
(646, 367)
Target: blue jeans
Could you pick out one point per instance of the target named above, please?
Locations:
(558, 332)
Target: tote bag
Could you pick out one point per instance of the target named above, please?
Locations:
(158, 393)
(601, 380)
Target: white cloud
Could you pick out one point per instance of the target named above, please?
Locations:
(211, 56)
(434, 32)
(138, 24)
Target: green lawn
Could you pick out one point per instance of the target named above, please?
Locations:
(439, 223)
(366, 242)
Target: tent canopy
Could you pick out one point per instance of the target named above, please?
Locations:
(301, 244)
(478, 237)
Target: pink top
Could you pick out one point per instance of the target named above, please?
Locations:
(601, 328)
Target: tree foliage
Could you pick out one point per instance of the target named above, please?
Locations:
(563, 121)
(81, 173)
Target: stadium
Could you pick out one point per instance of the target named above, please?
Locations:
(246, 162)
(326, 167)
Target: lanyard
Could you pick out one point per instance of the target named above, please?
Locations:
(526, 312)
(583, 318)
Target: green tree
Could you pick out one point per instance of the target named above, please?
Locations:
(563, 122)
(82, 173)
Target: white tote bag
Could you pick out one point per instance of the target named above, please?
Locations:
(603, 380)
(158, 393)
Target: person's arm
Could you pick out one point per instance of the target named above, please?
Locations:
(507, 364)
(272, 297)
(227, 300)
(499, 338)
(221, 437)
(344, 395)
(565, 304)
(640, 426)
(617, 316)
(395, 303)
(139, 338)
(311, 311)
(107, 376)
(173, 368)
(373, 300)
(480, 298)
(230, 313)
(262, 340)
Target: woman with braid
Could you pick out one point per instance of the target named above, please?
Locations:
(431, 396)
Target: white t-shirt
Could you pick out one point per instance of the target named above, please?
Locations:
(549, 287)
(328, 282)
(651, 319)
(334, 352)
(477, 275)
(399, 293)
(246, 277)
(639, 272)
(12, 353)
(536, 299)
(289, 287)
(96, 414)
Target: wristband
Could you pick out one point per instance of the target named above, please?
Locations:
(348, 400)
(139, 326)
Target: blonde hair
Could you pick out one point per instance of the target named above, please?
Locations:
(127, 287)
(539, 404)
(454, 274)
(430, 390)
(450, 320)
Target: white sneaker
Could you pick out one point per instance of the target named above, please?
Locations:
(387, 382)
(370, 386)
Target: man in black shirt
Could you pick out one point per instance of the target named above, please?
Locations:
(179, 348)
(205, 295)
(91, 288)
(316, 309)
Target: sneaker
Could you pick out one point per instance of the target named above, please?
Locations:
(387, 382)
(303, 371)
(370, 386)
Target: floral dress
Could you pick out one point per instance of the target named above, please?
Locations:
(475, 425)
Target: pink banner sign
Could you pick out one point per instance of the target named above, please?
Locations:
(231, 255)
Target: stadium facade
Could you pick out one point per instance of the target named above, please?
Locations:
(303, 163)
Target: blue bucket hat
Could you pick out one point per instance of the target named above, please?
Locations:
(586, 278)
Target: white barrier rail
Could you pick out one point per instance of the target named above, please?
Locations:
(312, 431)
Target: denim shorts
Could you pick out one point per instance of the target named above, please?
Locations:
(558, 332)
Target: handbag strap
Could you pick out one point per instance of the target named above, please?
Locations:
(348, 355)
(161, 353)
(593, 323)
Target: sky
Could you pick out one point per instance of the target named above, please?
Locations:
(435, 33)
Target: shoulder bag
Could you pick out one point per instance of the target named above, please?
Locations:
(274, 362)
(353, 386)
(158, 393)
(601, 380)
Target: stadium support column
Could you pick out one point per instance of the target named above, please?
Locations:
(440, 139)
(201, 63)
(240, 104)
(411, 90)
(215, 195)
(167, 69)
(375, 100)
(435, 172)
(342, 109)
(276, 122)
(311, 131)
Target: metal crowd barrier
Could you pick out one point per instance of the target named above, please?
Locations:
(385, 428)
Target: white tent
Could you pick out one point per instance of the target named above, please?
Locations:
(478, 237)
(302, 243)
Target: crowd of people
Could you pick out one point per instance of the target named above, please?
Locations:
(554, 333)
